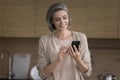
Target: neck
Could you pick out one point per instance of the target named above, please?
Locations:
(63, 34)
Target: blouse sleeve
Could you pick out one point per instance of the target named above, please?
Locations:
(42, 59)
(86, 56)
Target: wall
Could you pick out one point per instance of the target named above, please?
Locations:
(105, 54)
(105, 61)
(17, 45)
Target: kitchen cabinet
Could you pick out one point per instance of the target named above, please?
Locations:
(27, 18)
(41, 7)
(119, 19)
(103, 18)
(0, 24)
(78, 14)
(1, 18)
(18, 18)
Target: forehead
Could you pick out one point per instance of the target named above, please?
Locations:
(60, 13)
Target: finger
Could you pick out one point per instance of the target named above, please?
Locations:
(72, 51)
(67, 51)
(79, 49)
(62, 47)
(71, 48)
(76, 50)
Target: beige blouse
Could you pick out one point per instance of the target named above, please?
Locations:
(49, 46)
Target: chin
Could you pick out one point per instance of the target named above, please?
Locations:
(63, 29)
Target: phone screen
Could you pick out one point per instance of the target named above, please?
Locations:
(76, 43)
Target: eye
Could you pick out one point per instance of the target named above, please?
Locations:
(65, 17)
(57, 19)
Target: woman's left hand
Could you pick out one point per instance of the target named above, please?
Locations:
(75, 53)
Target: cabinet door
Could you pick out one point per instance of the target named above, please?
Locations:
(41, 7)
(18, 18)
(103, 18)
(119, 19)
(78, 13)
(1, 18)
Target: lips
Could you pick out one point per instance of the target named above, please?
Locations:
(62, 26)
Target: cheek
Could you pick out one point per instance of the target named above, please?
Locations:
(67, 22)
(56, 23)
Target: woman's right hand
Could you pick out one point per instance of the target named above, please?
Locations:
(63, 52)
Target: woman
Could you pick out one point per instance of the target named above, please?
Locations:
(57, 59)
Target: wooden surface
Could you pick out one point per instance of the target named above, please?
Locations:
(103, 18)
(18, 18)
(26, 18)
(1, 18)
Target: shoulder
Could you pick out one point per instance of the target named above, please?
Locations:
(45, 38)
(79, 35)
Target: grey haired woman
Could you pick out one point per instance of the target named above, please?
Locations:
(56, 58)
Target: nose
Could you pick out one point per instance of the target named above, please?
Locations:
(62, 21)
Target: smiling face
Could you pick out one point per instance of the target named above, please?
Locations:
(60, 20)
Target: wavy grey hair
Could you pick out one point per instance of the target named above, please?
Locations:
(53, 8)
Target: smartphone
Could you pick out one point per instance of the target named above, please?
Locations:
(76, 43)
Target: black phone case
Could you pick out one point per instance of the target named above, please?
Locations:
(76, 43)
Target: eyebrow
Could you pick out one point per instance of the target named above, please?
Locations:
(62, 16)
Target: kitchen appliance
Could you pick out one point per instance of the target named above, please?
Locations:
(20, 67)
(34, 73)
(107, 77)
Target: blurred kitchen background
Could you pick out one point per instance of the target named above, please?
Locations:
(22, 22)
